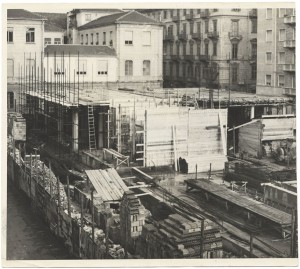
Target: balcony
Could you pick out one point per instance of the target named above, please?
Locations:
(202, 57)
(175, 57)
(183, 36)
(213, 35)
(235, 36)
(253, 13)
(169, 37)
(290, 19)
(291, 44)
(197, 36)
(189, 16)
(289, 67)
(204, 14)
(189, 58)
(175, 18)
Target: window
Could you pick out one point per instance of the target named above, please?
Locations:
(206, 26)
(191, 48)
(198, 11)
(268, 80)
(234, 50)
(191, 28)
(280, 80)
(165, 14)
(254, 50)
(47, 41)
(183, 48)
(81, 41)
(282, 36)
(236, 9)
(234, 73)
(282, 12)
(235, 27)
(10, 68)
(92, 39)
(111, 43)
(97, 38)
(146, 68)
(253, 71)
(170, 30)
(146, 38)
(171, 69)
(206, 48)
(189, 71)
(268, 57)
(86, 39)
(10, 100)
(171, 48)
(215, 25)
(10, 35)
(269, 36)
(57, 41)
(87, 17)
(102, 67)
(178, 49)
(177, 69)
(198, 27)
(184, 28)
(128, 68)
(215, 10)
(215, 48)
(253, 26)
(184, 12)
(128, 38)
(198, 49)
(269, 13)
(184, 70)
(30, 35)
(104, 38)
(281, 58)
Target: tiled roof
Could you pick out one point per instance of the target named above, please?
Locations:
(52, 28)
(130, 17)
(81, 49)
(96, 10)
(22, 14)
(57, 19)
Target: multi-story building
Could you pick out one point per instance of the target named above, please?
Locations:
(276, 51)
(138, 42)
(53, 35)
(79, 17)
(25, 45)
(203, 46)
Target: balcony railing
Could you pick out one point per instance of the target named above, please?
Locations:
(175, 18)
(234, 35)
(182, 36)
(289, 67)
(289, 44)
(189, 16)
(169, 37)
(253, 13)
(202, 57)
(290, 19)
(213, 34)
(189, 58)
(204, 14)
(197, 36)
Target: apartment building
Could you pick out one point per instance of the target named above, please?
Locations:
(25, 39)
(209, 46)
(53, 35)
(79, 17)
(138, 42)
(276, 52)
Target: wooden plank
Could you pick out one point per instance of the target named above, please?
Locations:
(93, 176)
(105, 181)
(120, 181)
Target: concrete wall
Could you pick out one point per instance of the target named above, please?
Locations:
(19, 50)
(89, 64)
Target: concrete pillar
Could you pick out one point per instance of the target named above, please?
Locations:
(252, 112)
(284, 110)
(75, 124)
(101, 120)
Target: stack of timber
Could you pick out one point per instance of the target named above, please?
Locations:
(178, 237)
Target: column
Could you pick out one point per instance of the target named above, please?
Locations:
(252, 112)
(75, 130)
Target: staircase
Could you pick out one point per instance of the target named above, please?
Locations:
(91, 122)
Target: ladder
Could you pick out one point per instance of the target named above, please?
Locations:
(92, 137)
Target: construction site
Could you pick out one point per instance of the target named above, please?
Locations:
(155, 173)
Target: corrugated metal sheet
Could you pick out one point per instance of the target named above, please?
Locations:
(108, 184)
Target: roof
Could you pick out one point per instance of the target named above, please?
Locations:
(81, 49)
(74, 11)
(107, 183)
(130, 17)
(22, 14)
(57, 19)
(52, 28)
